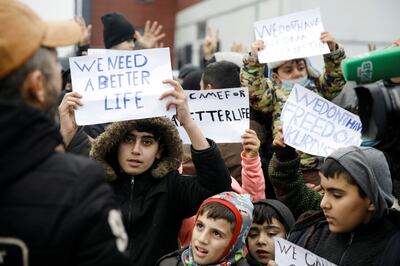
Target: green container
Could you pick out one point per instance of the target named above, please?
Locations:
(373, 66)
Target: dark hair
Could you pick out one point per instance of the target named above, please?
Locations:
(333, 169)
(263, 213)
(216, 210)
(275, 70)
(10, 86)
(222, 75)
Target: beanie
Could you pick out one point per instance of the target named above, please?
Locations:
(282, 210)
(116, 29)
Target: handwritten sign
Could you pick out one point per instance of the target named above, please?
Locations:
(120, 85)
(287, 253)
(317, 126)
(292, 36)
(222, 114)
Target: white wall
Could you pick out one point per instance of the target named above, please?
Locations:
(354, 23)
(54, 10)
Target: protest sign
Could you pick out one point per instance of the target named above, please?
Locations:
(120, 85)
(222, 115)
(317, 126)
(292, 36)
(287, 253)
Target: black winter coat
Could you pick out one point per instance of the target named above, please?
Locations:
(54, 207)
(363, 246)
(154, 204)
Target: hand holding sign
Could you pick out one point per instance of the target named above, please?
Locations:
(327, 38)
(66, 110)
(179, 99)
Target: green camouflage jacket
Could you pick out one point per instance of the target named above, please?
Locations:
(267, 96)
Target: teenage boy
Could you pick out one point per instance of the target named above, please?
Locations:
(352, 226)
(270, 218)
(269, 94)
(222, 224)
(141, 158)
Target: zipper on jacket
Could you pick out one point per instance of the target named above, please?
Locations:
(347, 247)
(130, 245)
(131, 199)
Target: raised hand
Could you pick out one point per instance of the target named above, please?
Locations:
(328, 38)
(66, 110)
(251, 143)
(86, 31)
(151, 36)
(256, 47)
(210, 43)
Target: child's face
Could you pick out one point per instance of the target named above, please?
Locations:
(260, 240)
(343, 207)
(209, 239)
(137, 152)
(293, 69)
(125, 45)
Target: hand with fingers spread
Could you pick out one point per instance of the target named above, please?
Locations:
(256, 47)
(152, 35)
(86, 31)
(210, 44)
(179, 99)
(66, 110)
(328, 38)
(251, 143)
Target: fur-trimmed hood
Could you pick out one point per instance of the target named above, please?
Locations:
(105, 147)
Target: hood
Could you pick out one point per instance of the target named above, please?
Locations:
(105, 147)
(282, 210)
(27, 138)
(312, 72)
(370, 170)
(241, 206)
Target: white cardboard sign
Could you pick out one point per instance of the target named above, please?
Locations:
(317, 126)
(120, 85)
(296, 35)
(222, 114)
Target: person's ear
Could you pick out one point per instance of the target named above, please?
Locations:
(275, 77)
(33, 90)
(371, 206)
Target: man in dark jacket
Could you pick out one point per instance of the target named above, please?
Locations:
(55, 208)
(141, 158)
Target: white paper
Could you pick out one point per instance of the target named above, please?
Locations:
(120, 85)
(287, 253)
(317, 126)
(292, 36)
(222, 114)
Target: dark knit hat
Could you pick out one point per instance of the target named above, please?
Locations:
(281, 209)
(116, 29)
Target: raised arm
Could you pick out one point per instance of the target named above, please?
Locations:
(179, 99)
(332, 80)
(253, 181)
(261, 90)
(287, 179)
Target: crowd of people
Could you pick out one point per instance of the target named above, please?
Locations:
(130, 193)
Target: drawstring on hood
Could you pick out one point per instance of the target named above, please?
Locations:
(106, 145)
(242, 208)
